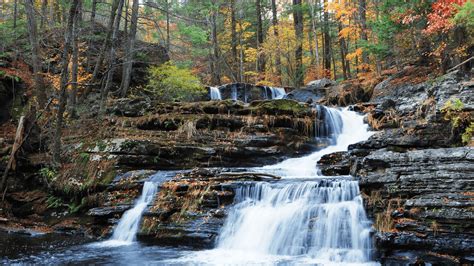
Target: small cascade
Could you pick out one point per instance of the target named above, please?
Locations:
(128, 226)
(322, 220)
(245, 92)
(276, 93)
(328, 123)
(234, 92)
(215, 93)
(340, 127)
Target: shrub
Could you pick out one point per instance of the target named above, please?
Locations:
(170, 83)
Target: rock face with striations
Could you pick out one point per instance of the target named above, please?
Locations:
(416, 178)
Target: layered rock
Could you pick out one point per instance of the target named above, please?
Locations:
(417, 185)
(219, 133)
(247, 93)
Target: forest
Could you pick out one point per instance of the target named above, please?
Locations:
(241, 132)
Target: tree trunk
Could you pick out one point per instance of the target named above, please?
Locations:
(315, 33)
(216, 77)
(44, 6)
(298, 24)
(111, 60)
(15, 13)
(64, 82)
(129, 49)
(57, 12)
(260, 38)
(125, 25)
(16, 146)
(93, 11)
(35, 50)
(343, 54)
(327, 44)
(363, 30)
(233, 27)
(103, 50)
(168, 38)
(276, 33)
(75, 65)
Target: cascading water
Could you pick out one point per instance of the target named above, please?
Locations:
(323, 220)
(127, 228)
(340, 127)
(303, 219)
(234, 92)
(215, 93)
(276, 93)
(270, 93)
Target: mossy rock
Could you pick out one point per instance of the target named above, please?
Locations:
(280, 107)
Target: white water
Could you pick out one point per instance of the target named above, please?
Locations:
(277, 93)
(345, 127)
(215, 93)
(127, 228)
(303, 219)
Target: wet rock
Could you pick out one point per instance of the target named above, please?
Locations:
(313, 92)
(108, 211)
(333, 164)
(430, 189)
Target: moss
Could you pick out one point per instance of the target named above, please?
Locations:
(278, 107)
(108, 177)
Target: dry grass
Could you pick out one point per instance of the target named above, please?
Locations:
(188, 129)
(384, 221)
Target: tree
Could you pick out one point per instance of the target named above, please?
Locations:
(260, 37)
(327, 42)
(129, 48)
(298, 24)
(35, 52)
(111, 60)
(64, 82)
(363, 30)
(275, 32)
(107, 41)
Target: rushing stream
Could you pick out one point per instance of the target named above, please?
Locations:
(304, 219)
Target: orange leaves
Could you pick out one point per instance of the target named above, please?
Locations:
(357, 53)
(345, 32)
(439, 20)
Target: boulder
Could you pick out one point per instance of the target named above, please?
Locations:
(313, 92)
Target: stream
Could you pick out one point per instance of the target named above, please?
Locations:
(304, 219)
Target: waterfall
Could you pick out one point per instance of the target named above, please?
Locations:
(303, 219)
(268, 92)
(128, 226)
(328, 123)
(277, 93)
(234, 92)
(324, 220)
(342, 127)
(274, 93)
(215, 93)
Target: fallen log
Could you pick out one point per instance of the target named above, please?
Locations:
(16, 146)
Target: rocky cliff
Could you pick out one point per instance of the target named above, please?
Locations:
(416, 173)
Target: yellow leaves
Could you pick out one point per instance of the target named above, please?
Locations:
(341, 9)
(357, 53)
(250, 54)
(345, 32)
